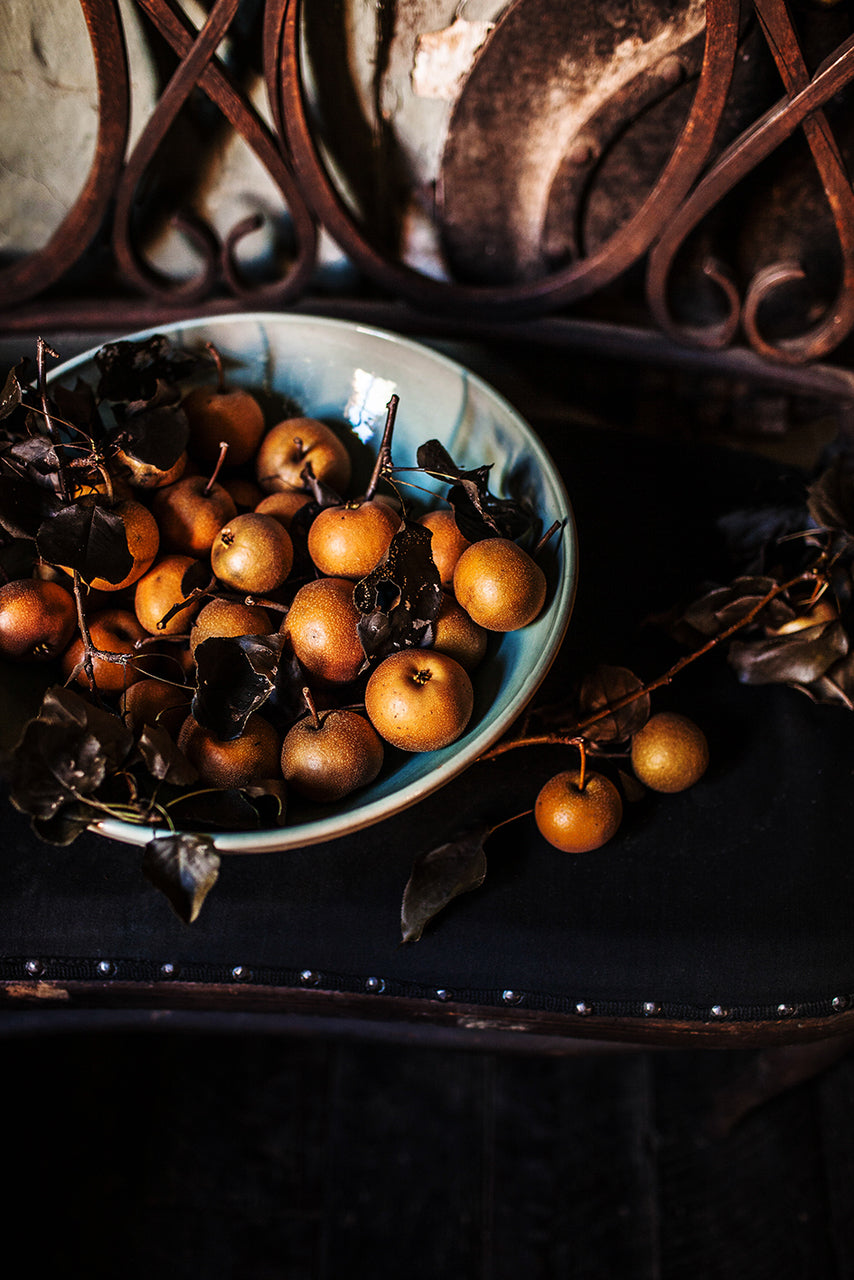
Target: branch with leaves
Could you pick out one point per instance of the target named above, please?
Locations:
(787, 618)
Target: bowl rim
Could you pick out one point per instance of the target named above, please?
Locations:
(343, 823)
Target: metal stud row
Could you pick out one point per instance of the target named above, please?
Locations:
(376, 986)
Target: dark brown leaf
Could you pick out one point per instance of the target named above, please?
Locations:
(162, 758)
(400, 599)
(185, 868)
(69, 822)
(89, 538)
(722, 607)
(25, 506)
(77, 405)
(800, 657)
(235, 677)
(604, 687)
(130, 371)
(269, 796)
(836, 686)
(830, 499)
(633, 790)
(65, 753)
(155, 436)
(215, 809)
(478, 512)
(440, 876)
(12, 395)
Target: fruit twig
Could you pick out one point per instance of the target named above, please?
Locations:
(383, 458)
(571, 737)
(552, 529)
(189, 600)
(88, 647)
(43, 350)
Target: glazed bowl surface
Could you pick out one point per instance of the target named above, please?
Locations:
(345, 374)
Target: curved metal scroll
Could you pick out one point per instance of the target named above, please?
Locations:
(199, 68)
(29, 276)
(624, 247)
(800, 108)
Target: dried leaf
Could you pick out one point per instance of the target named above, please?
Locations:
(633, 790)
(24, 506)
(830, 499)
(400, 599)
(12, 394)
(215, 809)
(163, 759)
(478, 513)
(836, 686)
(156, 436)
(66, 752)
(89, 538)
(235, 677)
(440, 876)
(269, 797)
(605, 686)
(39, 456)
(130, 371)
(79, 406)
(185, 868)
(800, 657)
(751, 533)
(722, 607)
(69, 822)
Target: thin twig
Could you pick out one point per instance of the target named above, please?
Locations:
(570, 737)
(43, 350)
(383, 458)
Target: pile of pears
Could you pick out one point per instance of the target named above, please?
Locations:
(223, 515)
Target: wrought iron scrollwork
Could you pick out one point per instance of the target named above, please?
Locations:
(580, 279)
(199, 67)
(800, 108)
(694, 180)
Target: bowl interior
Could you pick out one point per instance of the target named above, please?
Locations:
(345, 374)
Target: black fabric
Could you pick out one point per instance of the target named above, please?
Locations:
(737, 893)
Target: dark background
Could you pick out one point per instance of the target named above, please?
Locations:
(220, 1148)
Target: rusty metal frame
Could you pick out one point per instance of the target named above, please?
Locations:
(691, 184)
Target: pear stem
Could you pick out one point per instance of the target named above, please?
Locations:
(216, 356)
(309, 702)
(262, 602)
(383, 460)
(544, 539)
(223, 450)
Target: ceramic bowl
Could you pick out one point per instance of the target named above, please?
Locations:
(345, 374)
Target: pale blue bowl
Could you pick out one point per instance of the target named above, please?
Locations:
(346, 372)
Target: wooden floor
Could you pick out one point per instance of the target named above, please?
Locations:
(202, 1156)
